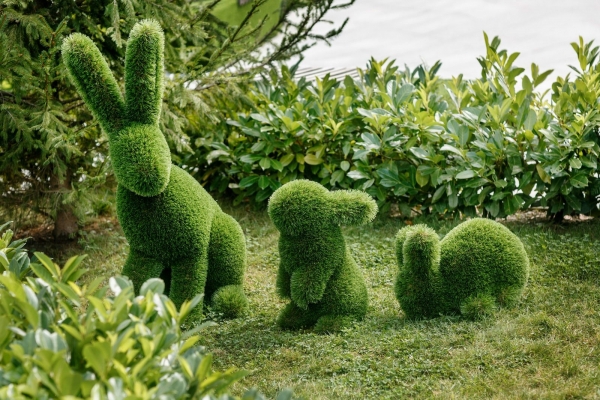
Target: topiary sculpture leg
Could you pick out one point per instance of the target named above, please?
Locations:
(283, 282)
(346, 299)
(293, 317)
(140, 268)
(226, 266)
(188, 277)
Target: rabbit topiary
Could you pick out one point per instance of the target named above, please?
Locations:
(175, 229)
(478, 265)
(317, 272)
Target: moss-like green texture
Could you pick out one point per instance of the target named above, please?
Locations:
(418, 283)
(139, 152)
(479, 265)
(175, 229)
(317, 272)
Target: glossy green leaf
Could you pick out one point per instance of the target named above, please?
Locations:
(466, 174)
(312, 159)
(154, 285)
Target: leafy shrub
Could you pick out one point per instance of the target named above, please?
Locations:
(13, 256)
(488, 146)
(478, 265)
(59, 339)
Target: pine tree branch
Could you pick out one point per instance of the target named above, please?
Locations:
(288, 47)
(73, 106)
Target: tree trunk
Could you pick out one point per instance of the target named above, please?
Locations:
(65, 224)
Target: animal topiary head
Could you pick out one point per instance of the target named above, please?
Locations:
(139, 152)
(304, 207)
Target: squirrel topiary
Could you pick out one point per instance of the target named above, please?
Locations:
(317, 272)
(175, 229)
(477, 266)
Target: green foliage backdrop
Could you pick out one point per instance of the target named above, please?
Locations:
(52, 152)
(488, 146)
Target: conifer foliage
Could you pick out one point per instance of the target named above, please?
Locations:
(51, 148)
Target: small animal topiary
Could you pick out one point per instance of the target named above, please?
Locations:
(317, 272)
(479, 265)
(175, 229)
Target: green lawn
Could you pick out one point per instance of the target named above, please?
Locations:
(547, 347)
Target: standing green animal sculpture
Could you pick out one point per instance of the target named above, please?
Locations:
(478, 265)
(317, 272)
(175, 229)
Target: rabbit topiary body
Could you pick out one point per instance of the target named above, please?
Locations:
(478, 265)
(317, 272)
(174, 227)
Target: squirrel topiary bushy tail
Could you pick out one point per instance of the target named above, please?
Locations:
(478, 266)
(174, 227)
(418, 283)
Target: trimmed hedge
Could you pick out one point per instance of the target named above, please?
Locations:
(490, 146)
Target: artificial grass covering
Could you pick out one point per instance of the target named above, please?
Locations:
(316, 272)
(480, 264)
(174, 227)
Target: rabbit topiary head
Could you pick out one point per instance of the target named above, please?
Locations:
(304, 207)
(139, 152)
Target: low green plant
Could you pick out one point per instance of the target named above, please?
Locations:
(62, 340)
(13, 256)
(159, 206)
(478, 265)
(317, 272)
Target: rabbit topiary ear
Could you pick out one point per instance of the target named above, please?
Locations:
(144, 66)
(352, 207)
(94, 81)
